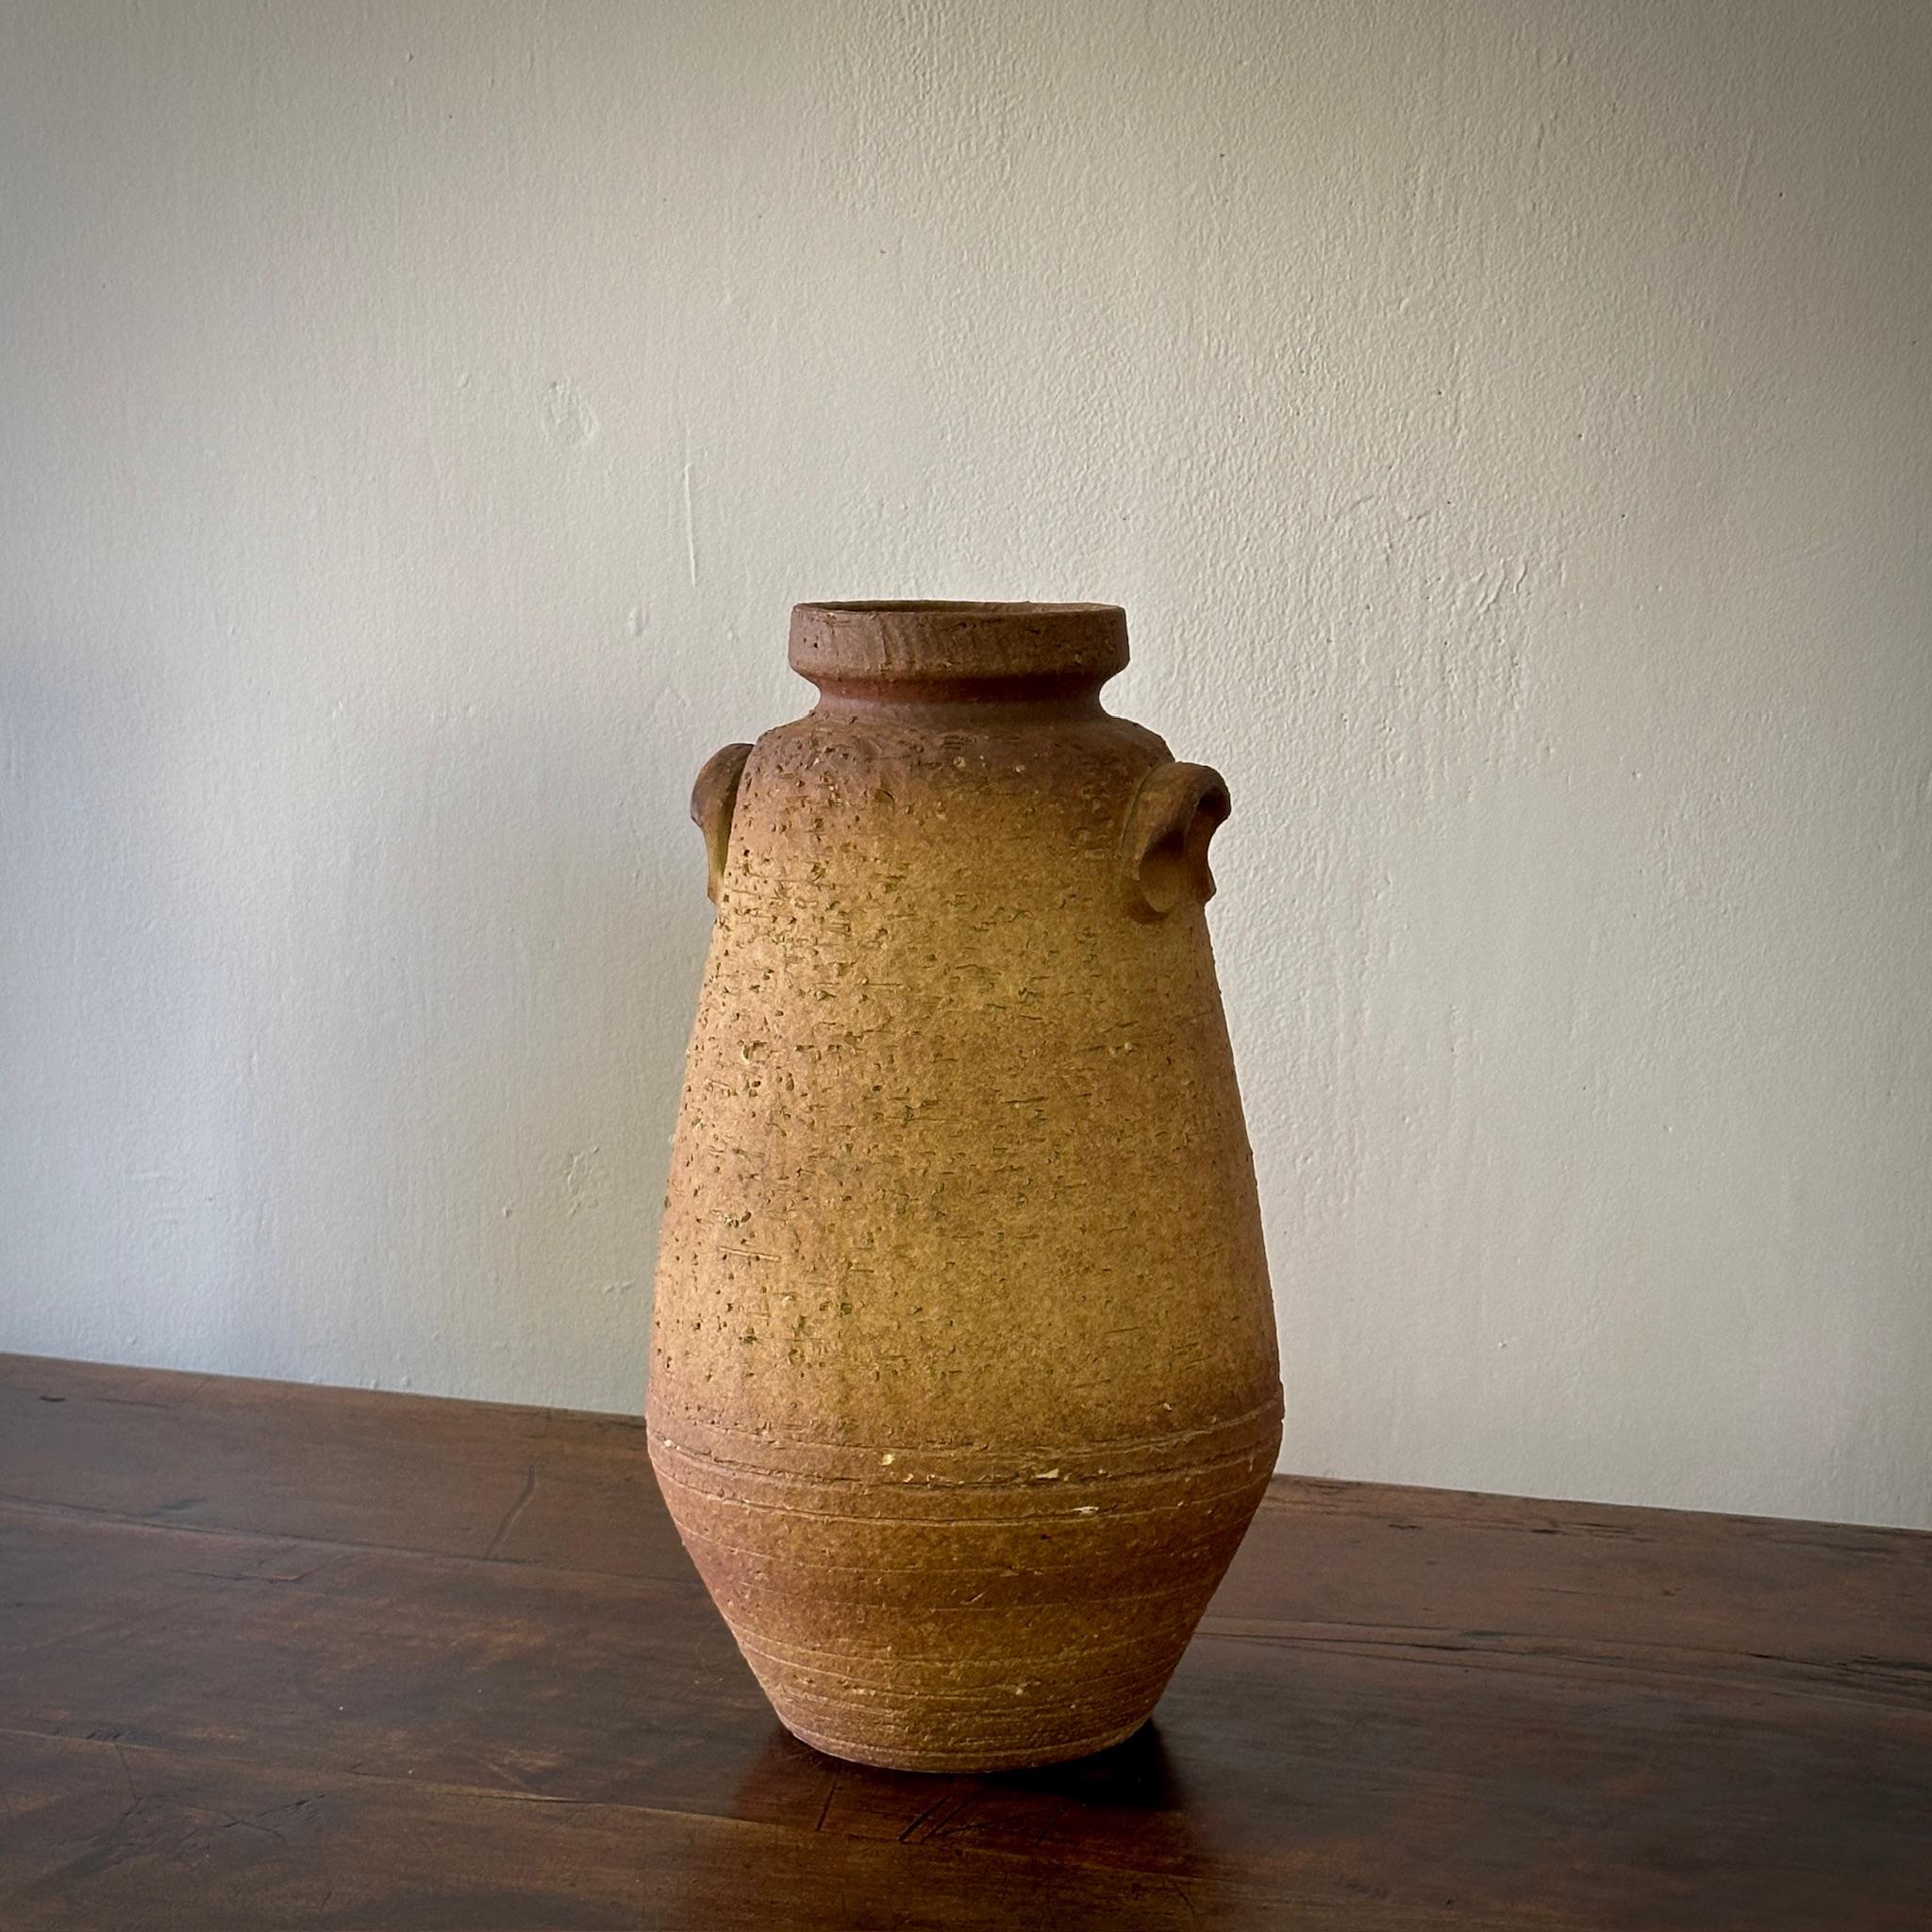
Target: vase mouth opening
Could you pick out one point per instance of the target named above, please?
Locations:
(915, 649)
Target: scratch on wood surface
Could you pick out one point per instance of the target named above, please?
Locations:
(515, 1510)
(234, 1823)
(906, 1836)
(826, 1810)
(128, 1772)
(242, 1576)
(1052, 1819)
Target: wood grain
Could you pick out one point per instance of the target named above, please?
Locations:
(281, 1657)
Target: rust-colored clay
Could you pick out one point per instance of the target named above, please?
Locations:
(964, 1382)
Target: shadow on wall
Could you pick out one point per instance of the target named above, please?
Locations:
(533, 949)
(345, 1033)
(123, 1165)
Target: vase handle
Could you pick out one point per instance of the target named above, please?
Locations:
(712, 799)
(1163, 852)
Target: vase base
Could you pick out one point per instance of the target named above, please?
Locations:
(961, 1763)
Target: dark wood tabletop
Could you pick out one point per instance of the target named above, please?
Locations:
(282, 1657)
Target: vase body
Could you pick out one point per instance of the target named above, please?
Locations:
(963, 1382)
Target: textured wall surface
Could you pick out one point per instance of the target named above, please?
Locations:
(1507, 424)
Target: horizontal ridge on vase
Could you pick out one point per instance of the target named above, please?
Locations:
(963, 1384)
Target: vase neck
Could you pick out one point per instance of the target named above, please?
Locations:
(1046, 658)
(966, 709)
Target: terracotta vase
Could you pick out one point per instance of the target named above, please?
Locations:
(964, 1384)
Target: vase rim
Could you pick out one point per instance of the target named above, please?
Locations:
(925, 643)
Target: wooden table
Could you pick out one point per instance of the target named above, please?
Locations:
(280, 1656)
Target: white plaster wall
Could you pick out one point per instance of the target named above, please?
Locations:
(1508, 426)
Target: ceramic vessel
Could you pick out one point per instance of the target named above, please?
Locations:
(964, 1385)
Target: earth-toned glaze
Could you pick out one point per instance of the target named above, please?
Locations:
(964, 1384)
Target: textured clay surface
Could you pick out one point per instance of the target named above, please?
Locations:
(964, 1383)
